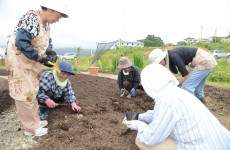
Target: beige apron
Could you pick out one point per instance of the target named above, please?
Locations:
(203, 60)
(23, 73)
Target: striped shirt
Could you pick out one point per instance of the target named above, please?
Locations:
(47, 82)
(181, 116)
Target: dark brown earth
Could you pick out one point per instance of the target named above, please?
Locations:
(98, 126)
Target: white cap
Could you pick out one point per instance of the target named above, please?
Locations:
(57, 5)
(157, 55)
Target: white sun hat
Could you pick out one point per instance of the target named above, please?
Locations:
(57, 5)
(157, 55)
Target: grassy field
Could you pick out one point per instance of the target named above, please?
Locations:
(108, 61)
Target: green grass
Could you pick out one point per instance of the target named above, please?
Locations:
(221, 73)
(139, 56)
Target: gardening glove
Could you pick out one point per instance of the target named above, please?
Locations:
(132, 92)
(50, 103)
(52, 55)
(45, 61)
(134, 124)
(125, 119)
(75, 107)
(122, 91)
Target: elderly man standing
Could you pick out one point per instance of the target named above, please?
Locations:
(128, 77)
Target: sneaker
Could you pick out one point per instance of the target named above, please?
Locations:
(43, 117)
(43, 123)
(38, 132)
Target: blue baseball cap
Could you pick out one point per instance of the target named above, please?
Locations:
(66, 67)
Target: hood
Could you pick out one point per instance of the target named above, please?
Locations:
(155, 78)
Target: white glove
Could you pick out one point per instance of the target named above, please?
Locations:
(125, 119)
(134, 124)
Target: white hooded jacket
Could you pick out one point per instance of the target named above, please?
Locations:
(178, 114)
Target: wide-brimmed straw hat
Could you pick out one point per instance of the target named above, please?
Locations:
(57, 5)
(124, 63)
(157, 55)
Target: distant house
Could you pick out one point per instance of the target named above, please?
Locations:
(222, 39)
(121, 43)
(190, 40)
(208, 40)
(225, 39)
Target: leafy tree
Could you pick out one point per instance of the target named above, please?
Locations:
(182, 43)
(78, 51)
(152, 41)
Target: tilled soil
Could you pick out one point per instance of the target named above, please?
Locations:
(98, 126)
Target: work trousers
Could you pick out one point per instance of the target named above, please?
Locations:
(28, 114)
(128, 86)
(196, 82)
(168, 144)
(43, 109)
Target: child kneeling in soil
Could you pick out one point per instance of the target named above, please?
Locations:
(55, 88)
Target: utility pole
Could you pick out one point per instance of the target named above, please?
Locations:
(166, 39)
(215, 34)
(201, 30)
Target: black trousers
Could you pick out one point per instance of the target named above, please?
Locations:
(50, 94)
(128, 86)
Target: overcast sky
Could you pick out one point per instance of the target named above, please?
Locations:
(104, 21)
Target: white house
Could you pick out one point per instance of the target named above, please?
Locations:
(222, 39)
(190, 40)
(120, 43)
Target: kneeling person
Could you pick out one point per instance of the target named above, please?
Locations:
(54, 88)
(128, 77)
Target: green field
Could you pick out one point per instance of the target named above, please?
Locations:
(139, 57)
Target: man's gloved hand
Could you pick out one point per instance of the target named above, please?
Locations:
(134, 124)
(50, 103)
(132, 92)
(44, 61)
(122, 91)
(52, 55)
(75, 107)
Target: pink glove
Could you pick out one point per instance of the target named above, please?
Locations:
(75, 107)
(50, 103)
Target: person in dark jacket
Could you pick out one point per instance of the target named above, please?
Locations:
(178, 59)
(128, 77)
